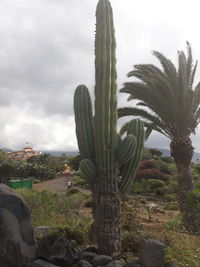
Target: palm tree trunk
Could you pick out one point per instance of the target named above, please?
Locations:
(106, 212)
(182, 151)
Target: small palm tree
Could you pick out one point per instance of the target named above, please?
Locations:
(170, 104)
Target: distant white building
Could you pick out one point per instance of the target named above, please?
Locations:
(23, 154)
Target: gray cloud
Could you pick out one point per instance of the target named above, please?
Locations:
(46, 50)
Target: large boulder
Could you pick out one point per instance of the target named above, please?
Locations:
(41, 263)
(151, 253)
(17, 246)
(57, 250)
(101, 260)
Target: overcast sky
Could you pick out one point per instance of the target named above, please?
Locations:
(46, 50)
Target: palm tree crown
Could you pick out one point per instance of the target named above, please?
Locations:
(172, 103)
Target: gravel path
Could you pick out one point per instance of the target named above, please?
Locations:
(58, 185)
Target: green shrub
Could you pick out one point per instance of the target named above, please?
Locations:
(170, 197)
(172, 206)
(51, 209)
(197, 168)
(197, 184)
(81, 182)
(163, 166)
(161, 191)
(195, 175)
(172, 186)
(154, 184)
(193, 200)
(127, 208)
(139, 187)
(132, 232)
(36, 181)
(72, 191)
(79, 230)
(88, 201)
(173, 225)
(147, 155)
(75, 203)
(167, 159)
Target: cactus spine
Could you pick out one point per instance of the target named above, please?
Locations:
(100, 147)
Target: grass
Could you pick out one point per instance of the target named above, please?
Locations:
(71, 215)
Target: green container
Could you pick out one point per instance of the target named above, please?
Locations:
(27, 183)
(15, 184)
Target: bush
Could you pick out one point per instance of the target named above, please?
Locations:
(146, 155)
(193, 200)
(154, 184)
(170, 197)
(172, 206)
(197, 168)
(72, 191)
(132, 232)
(195, 175)
(172, 187)
(51, 209)
(161, 191)
(163, 167)
(79, 181)
(141, 186)
(167, 159)
(147, 164)
(151, 174)
(79, 230)
(173, 225)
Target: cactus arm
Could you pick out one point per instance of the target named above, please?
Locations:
(129, 169)
(88, 170)
(83, 119)
(125, 149)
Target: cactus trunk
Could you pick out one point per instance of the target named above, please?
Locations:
(106, 188)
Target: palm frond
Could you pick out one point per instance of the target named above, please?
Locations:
(173, 105)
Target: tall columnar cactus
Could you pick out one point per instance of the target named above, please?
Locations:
(109, 163)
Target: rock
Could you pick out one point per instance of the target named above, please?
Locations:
(88, 255)
(83, 263)
(41, 263)
(133, 264)
(101, 260)
(91, 248)
(151, 253)
(57, 250)
(17, 247)
(116, 263)
(42, 231)
(171, 264)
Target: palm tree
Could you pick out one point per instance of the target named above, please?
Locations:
(170, 104)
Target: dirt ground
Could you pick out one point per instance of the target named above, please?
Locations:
(58, 185)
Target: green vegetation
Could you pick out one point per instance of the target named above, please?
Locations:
(38, 168)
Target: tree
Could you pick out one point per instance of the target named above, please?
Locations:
(170, 104)
(155, 152)
(108, 162)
